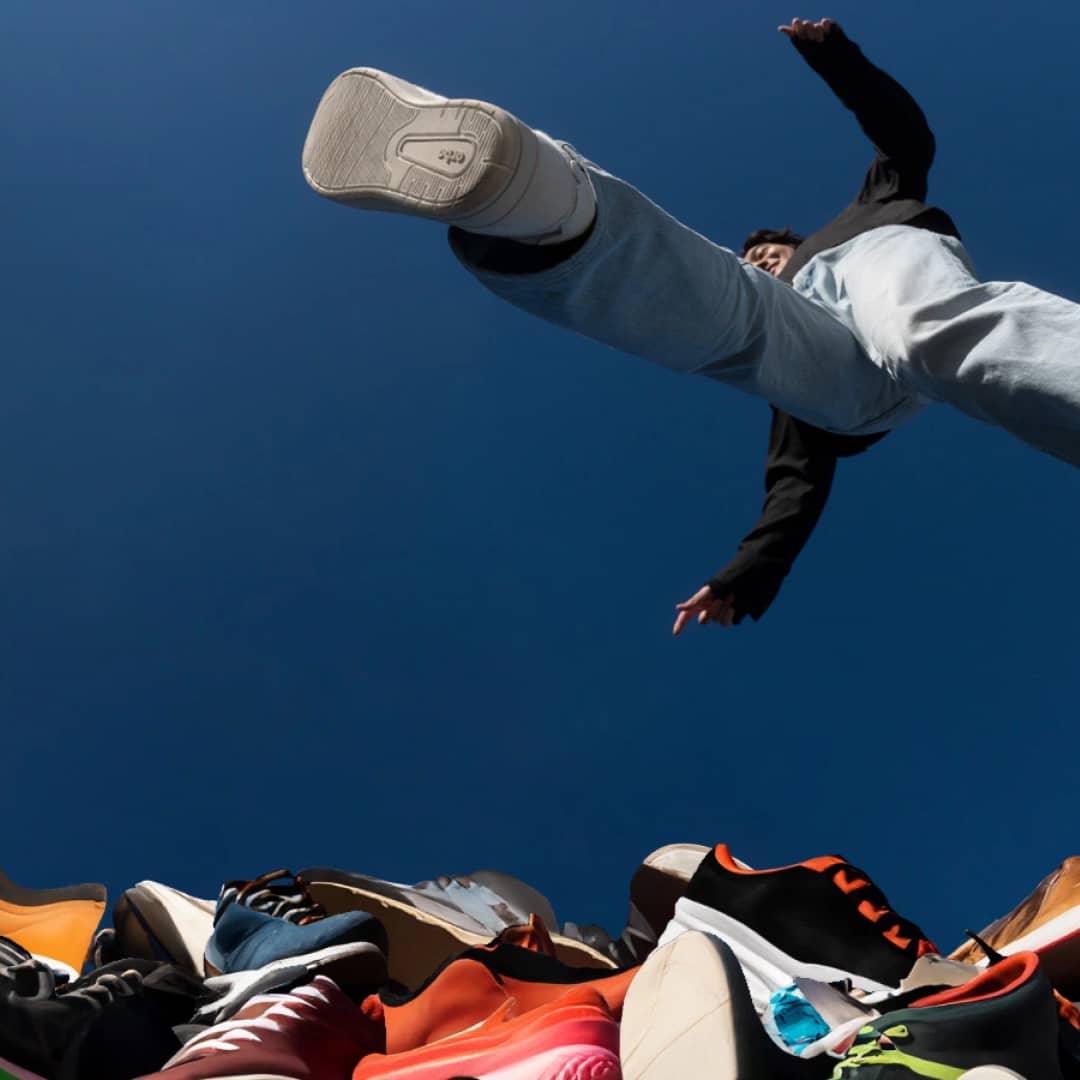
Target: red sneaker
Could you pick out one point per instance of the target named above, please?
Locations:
(310, 1033)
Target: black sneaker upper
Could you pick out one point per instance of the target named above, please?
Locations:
(114, 1023)
(823, 911)
(1006, 1016)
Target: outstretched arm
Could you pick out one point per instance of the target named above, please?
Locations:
(886, 112)
(798, 478)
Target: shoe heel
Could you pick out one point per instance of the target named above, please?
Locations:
(379, 143)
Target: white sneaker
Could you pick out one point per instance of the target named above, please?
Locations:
(157, 922)
(688, 1016)
(381, 143)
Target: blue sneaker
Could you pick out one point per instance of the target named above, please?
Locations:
(350, 947)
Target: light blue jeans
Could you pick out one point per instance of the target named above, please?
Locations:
(871, 331)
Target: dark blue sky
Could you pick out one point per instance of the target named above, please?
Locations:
(313, 552)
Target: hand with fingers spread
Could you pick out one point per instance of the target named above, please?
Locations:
(805, 30)
(707, 608)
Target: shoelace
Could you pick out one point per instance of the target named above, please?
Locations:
(232, 1034)
(295, 904)
(873, 905)
(879, 1049)
(108, 987)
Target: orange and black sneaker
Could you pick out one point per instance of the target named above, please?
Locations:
(55, 924)
(821, 919)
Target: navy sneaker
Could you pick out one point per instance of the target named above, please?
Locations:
(350, 947)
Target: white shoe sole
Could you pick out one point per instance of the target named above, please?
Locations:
(420, 941)
(688, 1015)
(380, 143)
(182, 923)
(767, 967)
(358, 961)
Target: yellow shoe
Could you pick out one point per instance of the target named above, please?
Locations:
(57, 924)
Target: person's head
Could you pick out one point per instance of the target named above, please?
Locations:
(770, 249)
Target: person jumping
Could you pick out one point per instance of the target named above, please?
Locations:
(883, 313)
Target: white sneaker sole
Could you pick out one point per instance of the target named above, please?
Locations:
(421, 941)
(688, 1013)
(380, 143)
(181, 923)
(767, 967)
(354, 963)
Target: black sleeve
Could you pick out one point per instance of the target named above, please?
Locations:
(798, 478)
(886, 112)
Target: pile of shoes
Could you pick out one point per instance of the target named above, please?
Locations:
(723, 972)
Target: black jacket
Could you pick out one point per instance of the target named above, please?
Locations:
(801, 458)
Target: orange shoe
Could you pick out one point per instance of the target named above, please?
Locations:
(532, 935)
(1046, 922)
(471, 988)
(57, 924)
(460, 996)
(573, 1038)
(534, 978)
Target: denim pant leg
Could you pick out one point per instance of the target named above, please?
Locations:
(646, 284)
(1005, 353)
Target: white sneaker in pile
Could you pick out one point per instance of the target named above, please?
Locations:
(158, 922)
(688, 1016)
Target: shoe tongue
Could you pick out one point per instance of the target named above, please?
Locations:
(532, 936)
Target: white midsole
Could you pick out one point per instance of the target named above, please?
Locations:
(767, 967)
(1044, 938)
(237, 989)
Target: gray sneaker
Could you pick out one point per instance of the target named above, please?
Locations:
(433, 920)
(378, 142)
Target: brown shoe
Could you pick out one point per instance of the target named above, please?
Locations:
(1046, 922)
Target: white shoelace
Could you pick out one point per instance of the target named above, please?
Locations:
(232, 1034)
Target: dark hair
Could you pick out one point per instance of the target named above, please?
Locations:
(771, 236)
